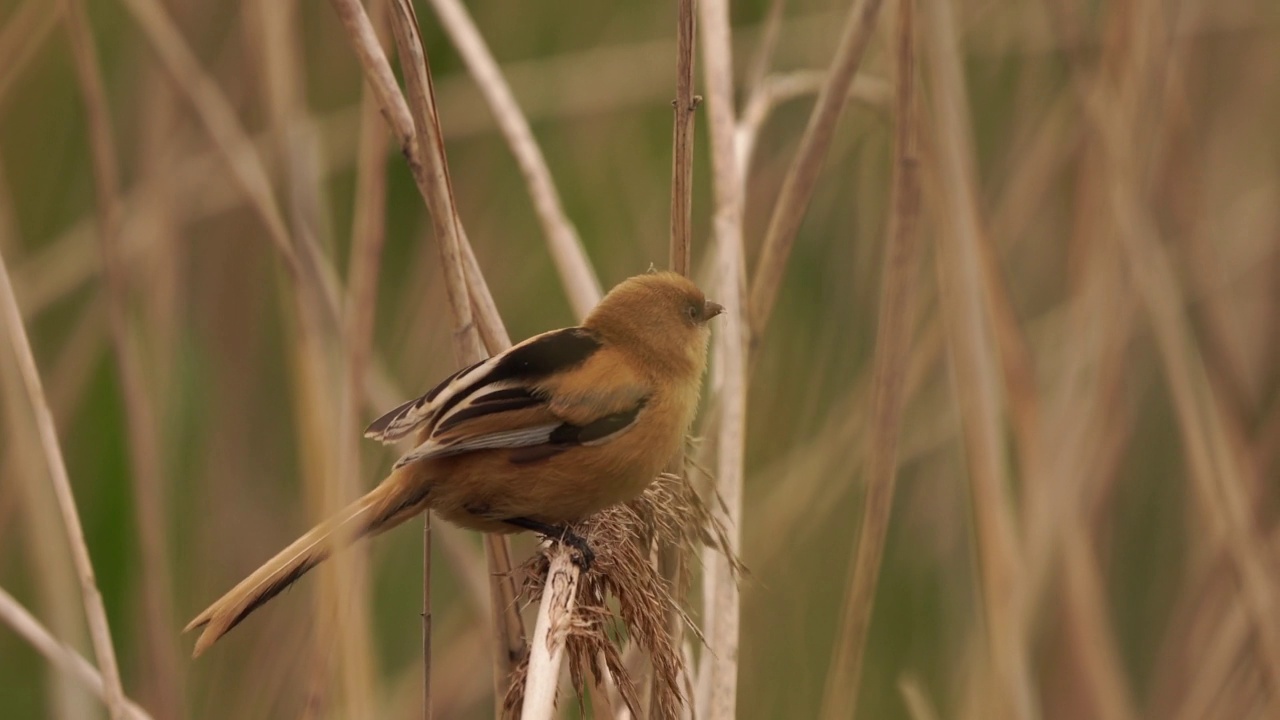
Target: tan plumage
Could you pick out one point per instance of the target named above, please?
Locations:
(548, 432)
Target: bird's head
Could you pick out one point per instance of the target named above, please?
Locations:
(662, 315)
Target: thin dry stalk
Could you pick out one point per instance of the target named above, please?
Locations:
(164, 274)
(779, 88)
(224, 128)
(458, 688)
(1084, 426)
(64, 264)
(163, 667)
(428, 620)
(368, 235)
(430, 170)
(565, 85)
(377, 71)
(802, 492)
(43, 539)
(1057, 536)
(570, 257)
(8, 220)
(510, 646)
(95, 613)
(719, 673)
(893, 341)
(797, 187)
(1090, 627)
(606, 702)
(976, 371)
(679, 259)
(1218, 634)
(318, 355)
(434, 179)
(550, 635)
(625, 590)
(1221, 477)
(1216, 468)
(684, 106)
(64, 658)
(493, 332)
(914, 697)
(769, 93)
(22, 36)
(762, 58)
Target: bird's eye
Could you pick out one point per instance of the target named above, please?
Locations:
(692, 312)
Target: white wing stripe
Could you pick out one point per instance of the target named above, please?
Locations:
(523, 437)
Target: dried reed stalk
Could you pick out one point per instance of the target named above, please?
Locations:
(310, 271)
(95, 613)
(63, 657)
(624, 589)
(431, 173)
(163, 674)
(684, 107)
(8, 218)
(766, 46)
(423, 148)
(66, 262)
(1058, 530)
(719, 671)
(576, 273)
(797, 187)
(318, 356)
(1221, 476)
(914, 697)
(550, 635)
(1218, 471)
(977, 372)
(679, 258)
(28, 27)
(893, 340)
(368, 234)
(44, 540)
(432, 176)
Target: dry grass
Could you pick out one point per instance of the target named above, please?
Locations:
(893, 341)
(149, 492)
(225, 266)
(624, 595)
(95, 612)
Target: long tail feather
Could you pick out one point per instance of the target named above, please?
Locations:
(384, 507)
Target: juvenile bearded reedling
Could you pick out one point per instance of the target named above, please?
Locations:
(546, 433)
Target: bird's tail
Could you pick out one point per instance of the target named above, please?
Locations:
(395, 500)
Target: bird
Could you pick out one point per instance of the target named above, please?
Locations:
(539, 436)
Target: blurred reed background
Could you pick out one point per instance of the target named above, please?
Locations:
(1088, 345)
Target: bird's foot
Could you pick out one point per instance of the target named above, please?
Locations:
(562, 534)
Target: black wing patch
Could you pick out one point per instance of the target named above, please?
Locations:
(567, 436)
(553, 352)
(534, 453)
(435, 391)
(595, 430)
(495, 402)
(508, 394)
(500, 384)
(379, 426)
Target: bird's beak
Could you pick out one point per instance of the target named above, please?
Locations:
(711, 309)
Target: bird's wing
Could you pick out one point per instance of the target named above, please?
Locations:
(411, 414)
(546, 396)
(535, 358)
